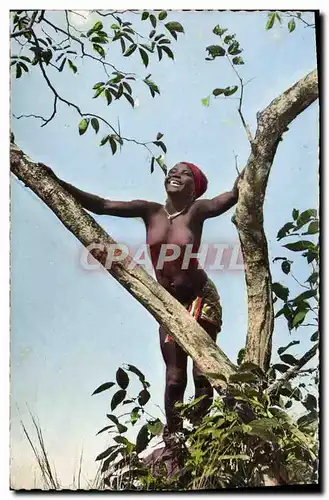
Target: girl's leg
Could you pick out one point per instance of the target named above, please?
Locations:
(201, 383)
(176, 379)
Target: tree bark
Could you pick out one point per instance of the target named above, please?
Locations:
(163, 307)
(272, 122)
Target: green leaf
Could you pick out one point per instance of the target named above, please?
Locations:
(315, 336)
(230, 90)
(121, 428)
(152, 33)
(156, 427)
(219, 31)
(129, 99)
(104, 140)
(25, 68)
(241, 356)
(228, 39)
(305, 217)
(278, 17)
(24, 58)
(299, 246)
(295, 214)
(105, 453)
(161, 145)
(163, 14)
(237, 60)
(285, 230)
(216, 376)
(136, 371)
(113, 418)
(108, 96)
(113, 145)
(18, 70)
(103, 387)
(105, 429)
(159, 136)
(289, 359)
(98, 92)
(152, 164)
(99, 49)
(205, 101)
(110, 459)
(174, 26)
(282, 292)
(131, 50)
(242, 377)
(142, 439)
(313, 227)
(83, 125)
(122, 378)
(61, 67)
(281, 368)
(153, 20)
(144, 57)
(118, 397)
(98, 39)
(95, 124)
(285, 266)
(270, 21)
(98, 85)
(251, 367)
(281, 350)
(143, 397)
(145, 15)
(262, 428)
(298, 318)
(167, 51)
(98, 26)
(127, 87)
(121, 440)
(291, 25)
(123, 45)
(215, 51)
(310, 403)
(234, 48)
(305, 295)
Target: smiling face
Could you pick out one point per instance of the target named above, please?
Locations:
(180, 180)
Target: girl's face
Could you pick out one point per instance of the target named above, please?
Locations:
(180, 180)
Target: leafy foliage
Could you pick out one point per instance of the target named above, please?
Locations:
(50, 46)
(246, 435)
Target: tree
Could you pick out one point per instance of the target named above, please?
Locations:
(54, 49)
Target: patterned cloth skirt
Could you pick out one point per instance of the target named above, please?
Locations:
(206, 307)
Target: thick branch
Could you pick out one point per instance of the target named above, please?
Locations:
(294, 370)
(163, 307)
(272, 122)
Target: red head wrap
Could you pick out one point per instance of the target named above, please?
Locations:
(200, 180)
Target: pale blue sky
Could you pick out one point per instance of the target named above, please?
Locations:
(70, 328)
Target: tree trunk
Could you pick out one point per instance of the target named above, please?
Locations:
(272, 122)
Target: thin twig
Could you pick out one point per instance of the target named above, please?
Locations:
(293, 371)
(236, 162)
(84, 53)
(307, 25)
(244, 123)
